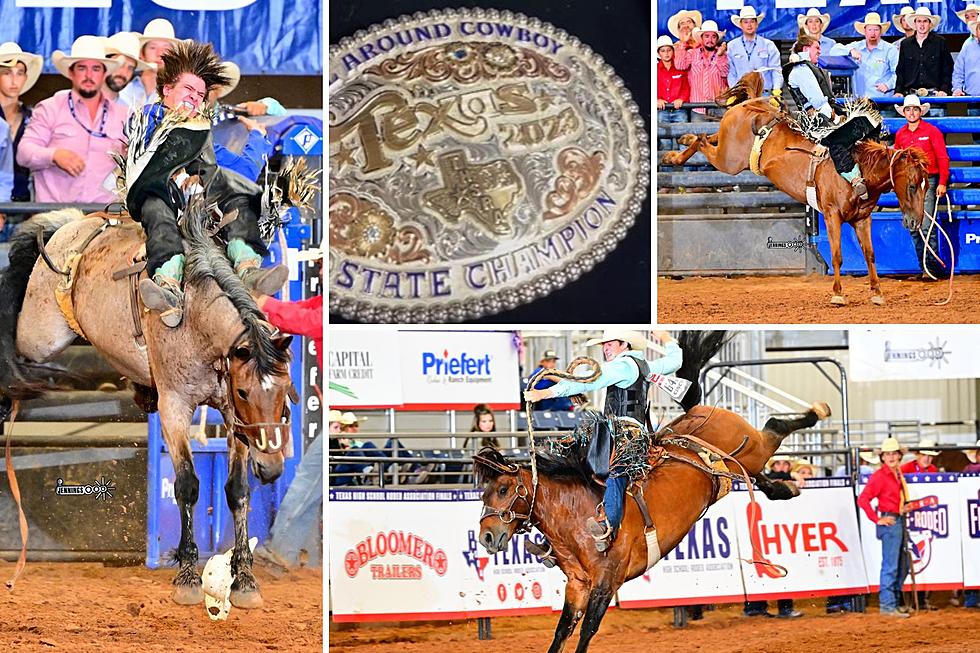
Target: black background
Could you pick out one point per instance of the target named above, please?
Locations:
(618, 289)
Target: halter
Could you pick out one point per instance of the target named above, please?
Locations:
(508, 514)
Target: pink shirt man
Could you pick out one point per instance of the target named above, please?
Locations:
(54, 127)
(707, 64)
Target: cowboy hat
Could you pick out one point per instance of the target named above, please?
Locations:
(868, 457)
(922, 12)
(637, 341)
(334, 416)
(85, 48)
(813, 13)
(707, 26)
(158, 29)
(913, 101)
(962, 13)
(799, 463)
(871, 19)
(971, 454)
(349, 418)
(10, 54)
(664, 42)
(926, 447)
(673, 23)
(232, 72)
(890, 444)
(128, 45)
(746, 12)
(898, 18)
(549, 355)
(781, 458)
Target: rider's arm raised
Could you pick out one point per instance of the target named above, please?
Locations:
(619, 371)
(671, 362)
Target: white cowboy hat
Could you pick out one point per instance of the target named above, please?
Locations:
(746, 12)
(914, 101)
(636, 340)
(673, 23)
(10, 54)
(890, 444)
(349, 418)
(926, 447)
(158, 29)
(813, 13)
(708, 26)
(781, 458)
(922, 12)
(897, 19)
(962, 13)
(872, 18)
(868, 457)
(664, 42)
(85, 48)
(971, 454)
(232, 72)
(801, 462)
(128, 45)
(334, 416)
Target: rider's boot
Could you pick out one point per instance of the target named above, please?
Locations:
(258, 280)
(600, 530)
(163, 294)
(543, 551)
(857, 182)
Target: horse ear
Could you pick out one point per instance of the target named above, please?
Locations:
(243, 352)
(282, 342)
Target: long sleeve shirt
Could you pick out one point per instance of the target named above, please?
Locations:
(672, 83)
(252, 158)
(22, 175)
(831, 48)
(885, 486)
(6, 162)
(707, 74)
(929, 139)
(758, 54)
(551, 403)
(913, 467)
(801, 77)
(301, 318)
(53, 127)
(927, 66)
(622, 371)
(877, 66)
(966, 70)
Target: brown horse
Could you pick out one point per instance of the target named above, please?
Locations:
(223, 355)
(676, 492)
(785, 160)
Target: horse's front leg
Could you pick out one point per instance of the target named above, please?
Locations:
(599, 599)
(576, 600)
(679, 158)
(244, 589)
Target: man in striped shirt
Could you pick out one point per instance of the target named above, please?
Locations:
(707, 67)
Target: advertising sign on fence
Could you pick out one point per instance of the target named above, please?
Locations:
(364, 369)
(969, 485)
(912, 354)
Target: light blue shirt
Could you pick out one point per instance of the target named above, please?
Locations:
(6, 162)
(745, 56)
(830, 47)
(622, 372)
(877, 66)
(135, 96)
(802, 78)
(966, 69)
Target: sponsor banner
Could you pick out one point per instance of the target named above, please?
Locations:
(890, 355)
(934, 533)
(813, 536)
(969, 486)
(458, 369)
(702, 568)
(364, 369)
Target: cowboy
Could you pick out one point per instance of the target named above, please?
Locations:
(549, 361)
(810, 88)
(174, 137)
(672, 89)
(707, 69)
(68, 142)
(902, 22)
(257, 149)
(920, 134)
(752, 52)
(925, 451)
(814, 24)
(887, 486)
(925, 65)
(966, 69)
(682, 26)
(969, 15)
(19, 71)
(626, 376)
(124, 48)
(157, 39)
(876, 59)
(351, 423)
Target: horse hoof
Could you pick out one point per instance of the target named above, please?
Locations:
(188, 594)
(821, 409)
(878, 300)
(247, 600)
(838, 300)
(687, 139)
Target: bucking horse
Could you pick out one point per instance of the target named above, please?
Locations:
(74, 275)
(693, 461)
(755, 134)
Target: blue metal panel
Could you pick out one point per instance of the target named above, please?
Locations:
(946, 124)
(958, 197)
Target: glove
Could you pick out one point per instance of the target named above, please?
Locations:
(777, 98)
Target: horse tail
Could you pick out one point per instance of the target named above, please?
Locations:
(18, 378)
(747, 88)
(699, 347)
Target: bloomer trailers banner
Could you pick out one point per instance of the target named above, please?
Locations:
(813, 536)
(903, 354)
(414, 555)
(364, 369)
(934, 533)
(969, 485)
(780, 16)
(269, 37)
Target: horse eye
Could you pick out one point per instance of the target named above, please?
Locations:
(243, 395)
(502, 491)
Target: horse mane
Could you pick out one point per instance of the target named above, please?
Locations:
(205, 261)
(871, 155)
(747, 88)
(489, 464)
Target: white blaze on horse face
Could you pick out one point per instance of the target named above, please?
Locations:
(267, 383)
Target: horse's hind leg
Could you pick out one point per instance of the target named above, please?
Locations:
(862, 227)
(244, 589)
(726, 155)
(576, 602)
(599, 600)
(42, 332)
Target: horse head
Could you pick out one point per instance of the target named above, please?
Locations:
(908, 170)
(507, 498)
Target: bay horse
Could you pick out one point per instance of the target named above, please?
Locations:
(563, 493)
(224, 355)
(785, 159)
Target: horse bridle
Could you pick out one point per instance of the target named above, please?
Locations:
(507, 515)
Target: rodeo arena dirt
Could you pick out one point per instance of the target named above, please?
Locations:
(161, 327)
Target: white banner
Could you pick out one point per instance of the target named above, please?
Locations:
(702, 568)
(969, 485)
(365, 368)
(912, 354)
(814, 536)
(934, 532)
(459, 369)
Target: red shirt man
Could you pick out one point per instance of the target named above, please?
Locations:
(913, 467)
(920, 134)
(885, 486)
(923, 459)
(672, 86)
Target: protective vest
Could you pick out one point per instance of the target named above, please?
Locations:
(822, 79)
(630, 401)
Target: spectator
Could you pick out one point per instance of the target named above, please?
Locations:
(867, 460)
(876, 59)
(682, 26)
(924, 454)
(672, 89)
(902, 21)
(925, 65)
(751, 52)
(814, 24)
(19, 71)
(969, 15)
(156, 40)
(483, 422)
(6, 165)
(351, 424)
(71, 134)
(549, 361)
(887, 487)
(920, 134)
(257, 149)
(707, 67)
(966, 69)
(801, 471)
(124, 48)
